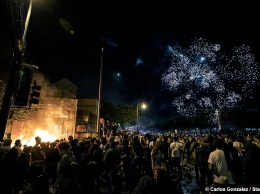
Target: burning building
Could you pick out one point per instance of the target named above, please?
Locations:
(57, 116)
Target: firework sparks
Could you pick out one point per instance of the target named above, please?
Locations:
(202, 77)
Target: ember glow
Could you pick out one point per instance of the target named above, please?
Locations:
(203, 78)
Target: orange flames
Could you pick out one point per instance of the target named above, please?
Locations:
(44, 134)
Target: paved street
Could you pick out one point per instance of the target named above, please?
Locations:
(188, 184)
(185, 184)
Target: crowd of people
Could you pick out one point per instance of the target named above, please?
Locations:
(147, 163)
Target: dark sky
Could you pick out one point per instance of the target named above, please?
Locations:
(65, 38)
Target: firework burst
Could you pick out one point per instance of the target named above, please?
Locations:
(204, 78)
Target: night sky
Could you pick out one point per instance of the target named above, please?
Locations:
(65, 38)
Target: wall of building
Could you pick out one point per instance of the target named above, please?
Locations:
(86, 117)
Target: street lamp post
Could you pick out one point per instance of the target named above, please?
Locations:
(137, 116)
(99, 90)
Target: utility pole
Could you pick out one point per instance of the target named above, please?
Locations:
(17, 26)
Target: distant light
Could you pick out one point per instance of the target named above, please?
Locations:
(117, 76)
(139, 61)
(66, 26)
(144, 106)
(202, 59)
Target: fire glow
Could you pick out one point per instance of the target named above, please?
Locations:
(54, 119)
(43, 134)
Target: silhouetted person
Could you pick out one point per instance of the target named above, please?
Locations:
(38, 178)
(252, 168)
(5, 147)
(18, 145)
(76, 149)
(111, 160)
(9, 169)
(36, 151)
(51, 162)
(203, 151)
(64, 169)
